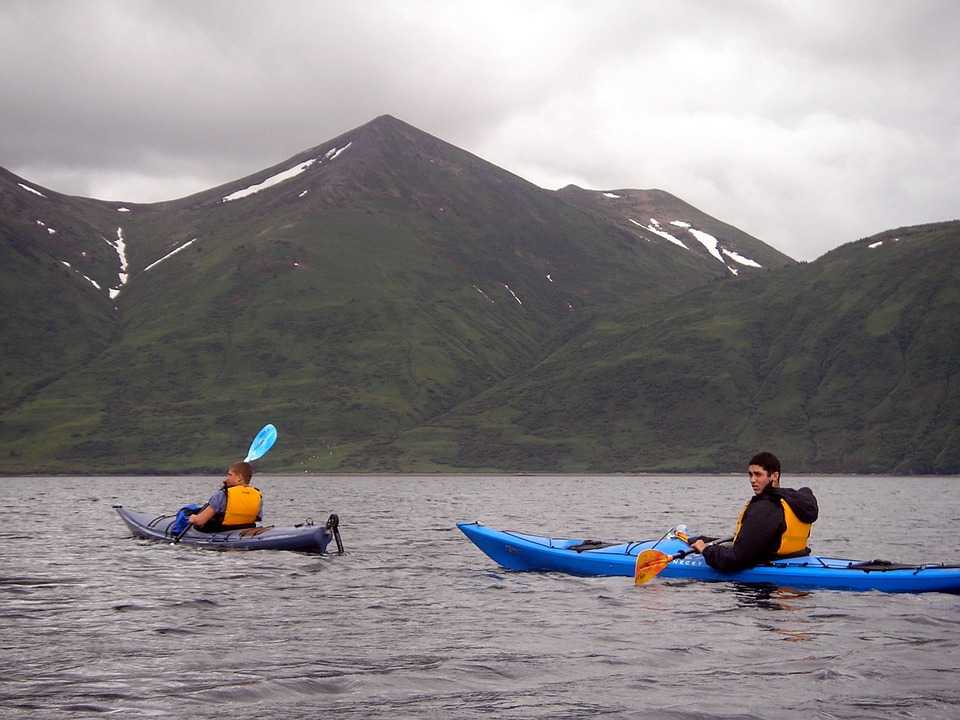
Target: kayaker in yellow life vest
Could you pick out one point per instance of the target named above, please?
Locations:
(774, 523)
(236, 505)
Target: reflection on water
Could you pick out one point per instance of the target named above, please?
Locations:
(415, 622)
(767, 597)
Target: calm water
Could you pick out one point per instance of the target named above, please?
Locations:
(415, 622)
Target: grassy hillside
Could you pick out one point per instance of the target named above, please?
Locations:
(50, 322)
(846, 364)
(54, 318)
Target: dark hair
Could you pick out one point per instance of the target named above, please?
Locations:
(767, 460)
(244, 470)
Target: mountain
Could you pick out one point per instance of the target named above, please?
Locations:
(353, 292)
(847, 364)
(395, 303)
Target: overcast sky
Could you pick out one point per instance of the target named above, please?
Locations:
(807, 124)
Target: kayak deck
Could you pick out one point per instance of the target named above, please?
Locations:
(522, 551)
(306, 538)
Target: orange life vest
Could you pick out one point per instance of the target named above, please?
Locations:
(243, 506)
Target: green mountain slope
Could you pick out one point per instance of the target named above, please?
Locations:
(54, 317)
(355, 291)
(848, 364)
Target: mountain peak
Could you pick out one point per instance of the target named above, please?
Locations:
(386, 120)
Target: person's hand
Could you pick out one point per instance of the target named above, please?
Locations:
(192, 519)
(698, 545)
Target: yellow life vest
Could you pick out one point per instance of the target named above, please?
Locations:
(794, 538)
(243, 506)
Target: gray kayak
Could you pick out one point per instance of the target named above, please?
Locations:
(305, 537)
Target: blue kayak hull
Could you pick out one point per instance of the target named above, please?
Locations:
(520, 551)
(306, 538)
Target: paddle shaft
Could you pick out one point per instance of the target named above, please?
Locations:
(691, 551)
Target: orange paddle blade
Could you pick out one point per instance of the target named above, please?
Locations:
(649, 565)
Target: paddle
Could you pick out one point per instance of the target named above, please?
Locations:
(260, 446)
(261, 443)
(651, 562)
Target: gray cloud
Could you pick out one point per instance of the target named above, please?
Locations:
(807, 124)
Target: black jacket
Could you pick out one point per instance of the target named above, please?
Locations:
(762, 528)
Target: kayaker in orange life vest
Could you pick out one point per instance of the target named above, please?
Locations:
(774, 523)
(236, 505)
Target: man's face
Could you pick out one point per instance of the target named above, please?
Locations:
(760, 479)
(233, 478)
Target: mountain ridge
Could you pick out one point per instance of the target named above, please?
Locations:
(379, 295)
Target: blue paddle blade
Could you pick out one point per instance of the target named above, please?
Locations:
(261, 443)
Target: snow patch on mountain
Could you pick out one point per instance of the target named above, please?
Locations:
(714, 248)
(640, 225)
(494, 302)
(31, 190)
(877, 244)
(121, 247)
(708, 241)
(89, 280)
(170, 254)
(123, 209)
(737, 257)
(334, 153)
(270, 181)
(510, 290)
(654, 227)
(611, 195)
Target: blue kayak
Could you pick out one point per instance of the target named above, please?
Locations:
(305, 538)
(520, 551)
